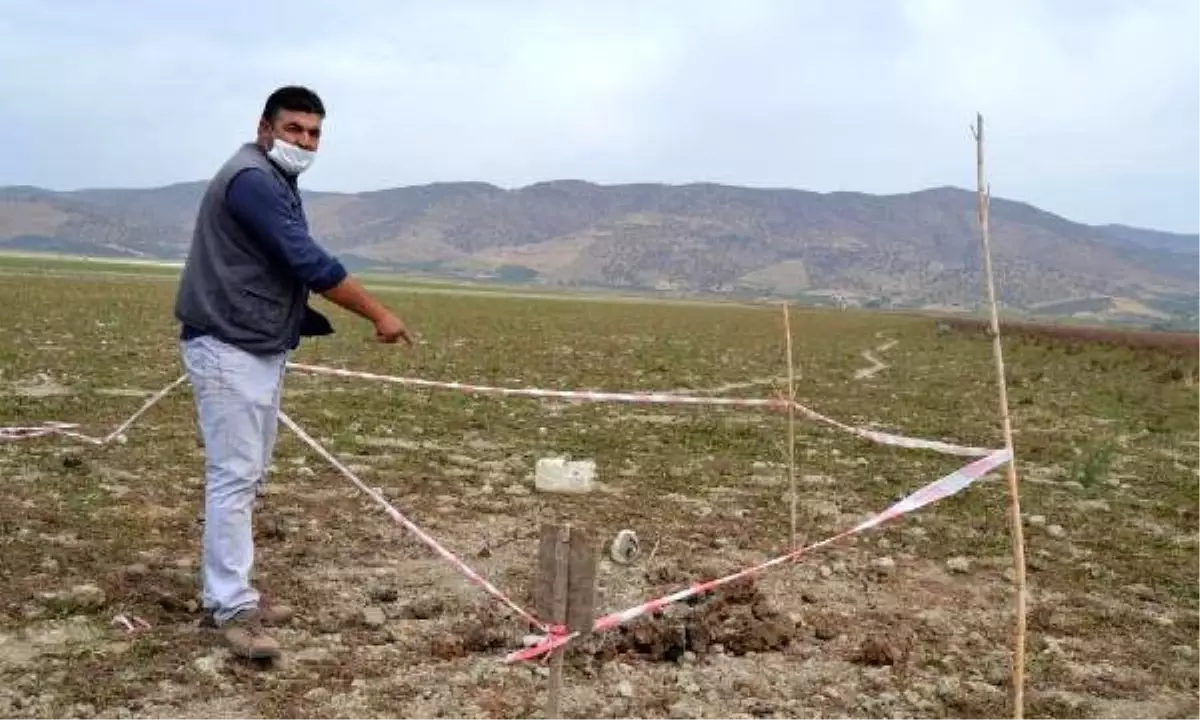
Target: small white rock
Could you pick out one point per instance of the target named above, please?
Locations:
(883, 564)
(208, 664)
(958, 564)
(1055, 531)
(625, 689)
(373, 617)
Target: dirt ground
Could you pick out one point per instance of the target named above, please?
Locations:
(912, 619)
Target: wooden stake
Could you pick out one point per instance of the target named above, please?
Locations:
(787, 330)
(984, 194)
(553, 561)
(565, 594)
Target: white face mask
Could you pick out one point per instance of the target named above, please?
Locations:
(292, 159)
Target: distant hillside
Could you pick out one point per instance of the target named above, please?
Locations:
(916, 250)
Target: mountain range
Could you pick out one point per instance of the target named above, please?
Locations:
(918, 249)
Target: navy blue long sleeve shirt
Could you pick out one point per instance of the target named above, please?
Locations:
(277, 220)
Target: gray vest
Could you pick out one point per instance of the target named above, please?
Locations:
(231, 287)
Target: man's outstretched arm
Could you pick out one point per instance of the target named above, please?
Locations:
(350, 294)
(256, 201)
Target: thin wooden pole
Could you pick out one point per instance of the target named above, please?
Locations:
(565, 594)
(984, 194)
(792, 498)
(560, 536)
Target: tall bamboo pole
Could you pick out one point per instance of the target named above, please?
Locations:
(791, 371)
(984, 194)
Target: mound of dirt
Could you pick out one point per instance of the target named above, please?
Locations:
(734, 619)
(737, 618)
(484, 631)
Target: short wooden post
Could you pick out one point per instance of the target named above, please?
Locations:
(565, 593)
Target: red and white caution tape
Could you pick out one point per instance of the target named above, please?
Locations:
(884, 438)
(131, 623)
(49, 428)
(151, 402)
(662, 398)
(937, 490)
(474, 577)
(65, 429)
(19, 432)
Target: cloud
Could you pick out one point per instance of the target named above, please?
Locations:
(1091, 107)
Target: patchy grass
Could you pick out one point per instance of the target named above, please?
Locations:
(1106, 445)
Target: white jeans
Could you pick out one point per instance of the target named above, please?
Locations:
(237, 405)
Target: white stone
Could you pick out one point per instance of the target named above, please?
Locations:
(958, 564)
(884, 565)
(373, 617)
(624, 548)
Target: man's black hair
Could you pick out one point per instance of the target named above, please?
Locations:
(295, 98)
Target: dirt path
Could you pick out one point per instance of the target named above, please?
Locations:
(876, 364)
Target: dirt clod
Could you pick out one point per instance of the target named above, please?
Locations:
(876, 651)
(825, 628)
(383, 594)
(424, 608)
(447, 647)
(738, 618)
(484, 631)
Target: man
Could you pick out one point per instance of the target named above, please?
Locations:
(243, 305)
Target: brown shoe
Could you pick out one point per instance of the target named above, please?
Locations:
(245, 636)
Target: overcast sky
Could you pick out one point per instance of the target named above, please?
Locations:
(1091, 105)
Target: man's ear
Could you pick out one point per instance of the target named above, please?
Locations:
(264, 130)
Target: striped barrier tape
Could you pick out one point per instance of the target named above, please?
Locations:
(665, 398)
(145, 406)
(65, 429)
(473, 577)
(934, 491)
(661, 398)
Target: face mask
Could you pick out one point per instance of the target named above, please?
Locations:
(292, 159)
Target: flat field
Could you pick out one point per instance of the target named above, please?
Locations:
(910, 619)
